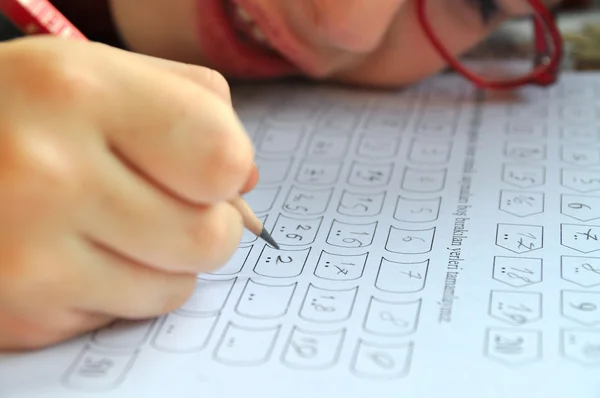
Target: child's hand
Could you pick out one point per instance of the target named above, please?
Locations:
(115, 171)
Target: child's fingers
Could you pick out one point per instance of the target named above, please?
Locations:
(178, 135)
(40, 285)
(206, 77)
(132, 217)
(175, 131)
(210, 79)
(252, 180)
(19, 334)
(119, 287)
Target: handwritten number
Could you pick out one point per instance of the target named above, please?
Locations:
(295, 208)
(411, 275)
(521, 307)
(512, 275)
(382, 360)
(516, 318)
(279, 259)
(323, 308)
(301, 196)
(356, 206)
(509, 346)
(588, 181)
(411, 238)
(96, 367)
(352, 241)
(389, 317)
(588, 307)
(578, 206)
(421, 210)
(370, 175)
(521, 178)
(529, 235)
(306, 348)
(589, 267)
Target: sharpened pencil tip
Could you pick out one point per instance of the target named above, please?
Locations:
(267, 238)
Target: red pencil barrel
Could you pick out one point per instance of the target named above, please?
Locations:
(39, 17)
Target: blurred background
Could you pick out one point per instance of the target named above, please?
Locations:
(580, 3)
(578, 21)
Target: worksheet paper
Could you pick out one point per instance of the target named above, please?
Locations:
(435, 242)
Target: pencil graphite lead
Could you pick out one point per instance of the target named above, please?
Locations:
(268, 238)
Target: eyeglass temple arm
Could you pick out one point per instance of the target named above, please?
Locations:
(543, 45)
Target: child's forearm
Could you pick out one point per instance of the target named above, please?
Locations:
(92, 17)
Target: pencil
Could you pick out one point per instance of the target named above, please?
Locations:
(41, 17)
(252, 223)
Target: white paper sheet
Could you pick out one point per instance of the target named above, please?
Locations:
(435, 243)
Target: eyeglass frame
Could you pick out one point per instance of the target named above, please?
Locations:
(546, 63)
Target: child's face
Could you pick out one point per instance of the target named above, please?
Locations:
(360, 41)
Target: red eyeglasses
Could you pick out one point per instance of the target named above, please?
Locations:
(546, 52)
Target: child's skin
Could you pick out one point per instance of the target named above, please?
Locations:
(116, 167)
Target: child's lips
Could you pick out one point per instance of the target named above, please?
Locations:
(230, 52)
(269, 30)
(242, 40)
(245, 26)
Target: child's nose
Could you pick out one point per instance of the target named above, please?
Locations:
(357, 26)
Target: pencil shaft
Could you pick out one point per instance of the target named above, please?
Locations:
(253, 223)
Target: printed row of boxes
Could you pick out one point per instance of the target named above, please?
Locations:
(307, 202)
(393, 276)
(566, 93)
(516, 347)
(521, 272)
(347, 115)
(314, 201)
(524, 204)
(566, 111)
(517, 238)
(293, 232)
(343, 115)
(533, 176)
(522, 308)
(404, 277)
(278, 140)
(579, 180)
(361, 174)
(533, 152)
(536, 150)
(102, 366)
(98, 368)
(410, 210)
(520, 238)
(382, 319)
